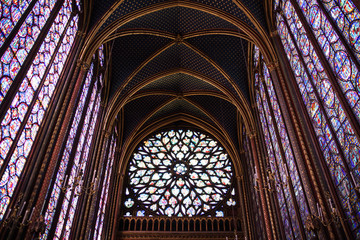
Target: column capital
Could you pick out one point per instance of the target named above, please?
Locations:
(272, 65)
(106, 133)
(82, 64)
(252, 134)
(274, 33)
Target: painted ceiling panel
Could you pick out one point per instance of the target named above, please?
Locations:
(178, 106)
(179, 20)
(128, 6)
(129, 52)
(180, 83)
(138, 109)
(179, 56)
(228, 52)
(224, 112)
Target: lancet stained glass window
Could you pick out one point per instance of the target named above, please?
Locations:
(32, 93)
(180, 173)
(318, 84)
(279, 150)
(75, 157)
(105, 189)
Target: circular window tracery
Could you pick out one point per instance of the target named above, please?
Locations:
(179, 173)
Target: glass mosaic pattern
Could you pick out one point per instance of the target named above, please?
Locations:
(287, 208)
(22, 43)
(55, 194)
(11, 12)
(23, 120)
(336, 137)
(105, 190)
(179, 173)
(346, 72)
(347, 18)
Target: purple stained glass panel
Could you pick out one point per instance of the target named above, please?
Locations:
(16, 53)
(271, 152)
(346, 71)
(10, 12)
(80, 163)
(66, 155)
(347, 18)
(15, 115)
(332, 114)
(105, 191)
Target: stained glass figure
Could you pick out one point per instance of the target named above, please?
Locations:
(179, 173)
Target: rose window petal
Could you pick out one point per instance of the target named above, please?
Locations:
(180, 173)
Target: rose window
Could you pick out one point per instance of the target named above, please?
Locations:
(179, 173)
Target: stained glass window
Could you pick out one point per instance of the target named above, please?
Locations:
(280, 153)
(30, 102)
(347, 17)
(75, 157)
(105, 190)
(337, 139)
(255, 196)
(20, 46)
(181, 173)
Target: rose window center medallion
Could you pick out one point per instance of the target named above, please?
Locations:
(179, 173)
(180, 169)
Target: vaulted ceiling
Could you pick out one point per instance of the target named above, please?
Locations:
(178, 57)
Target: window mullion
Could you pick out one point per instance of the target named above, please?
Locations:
(347, 170)
(291, 187)
(275, 162)
(81, 217)
(340, 35)
(263, 152)
(105, 190)
(73, 194)
(71, 155)
(101, 173)
(34, 100)
(328, 70)
(16, 28)
(14, 88)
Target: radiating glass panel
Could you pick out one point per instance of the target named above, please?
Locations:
(179, 173)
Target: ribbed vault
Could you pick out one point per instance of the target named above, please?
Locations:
(178, 64)
(179, 61)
